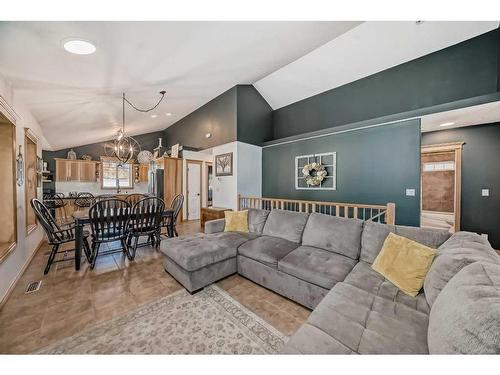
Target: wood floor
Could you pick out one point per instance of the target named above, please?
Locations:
(71, 301)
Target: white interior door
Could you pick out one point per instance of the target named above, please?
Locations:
(194, 190)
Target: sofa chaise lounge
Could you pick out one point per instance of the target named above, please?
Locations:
(324, 263)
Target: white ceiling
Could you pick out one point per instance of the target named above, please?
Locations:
(475, 115)
(365, 50)
(77, 99)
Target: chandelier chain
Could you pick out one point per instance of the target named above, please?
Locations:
(145, 110)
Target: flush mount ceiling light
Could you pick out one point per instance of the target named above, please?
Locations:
(78, 46)
(447, 123)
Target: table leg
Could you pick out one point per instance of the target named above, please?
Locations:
(171, 227)
(78, 243)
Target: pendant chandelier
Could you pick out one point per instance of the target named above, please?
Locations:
(124, 146)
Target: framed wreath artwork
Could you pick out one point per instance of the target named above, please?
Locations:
(224, 164)
(316, 172)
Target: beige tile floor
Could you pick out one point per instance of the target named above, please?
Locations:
(70, 301)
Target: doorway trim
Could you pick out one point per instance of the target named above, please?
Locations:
(200, 163)
(455, 147)
(208, 164)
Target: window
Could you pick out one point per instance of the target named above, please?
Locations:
(439, 166)
(110, 169)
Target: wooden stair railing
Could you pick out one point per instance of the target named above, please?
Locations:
(378, 213)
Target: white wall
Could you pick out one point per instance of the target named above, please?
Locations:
(247, 174)
(225, 188)
(249, 178)
(13, 264)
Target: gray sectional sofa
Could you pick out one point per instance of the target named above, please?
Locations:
(324, 263)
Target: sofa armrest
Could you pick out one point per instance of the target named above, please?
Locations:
(215, 226)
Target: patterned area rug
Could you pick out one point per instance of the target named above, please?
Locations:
(209, 322)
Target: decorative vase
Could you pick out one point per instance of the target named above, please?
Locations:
(71, 155)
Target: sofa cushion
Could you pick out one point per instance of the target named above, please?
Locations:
(364, 277)
(465, 318)
(193, 252)
(311, 340)
(337, 234)
(316, 266)
(404, 263)
(288, 225)
(267, 250)
(368, 324)
(462, 249)
(256, 220)
(374, 234)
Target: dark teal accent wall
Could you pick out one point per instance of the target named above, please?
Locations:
(374, 166)
(255, 116)
(217, 117)
(465, 70)
(240, 113)
(480, 170)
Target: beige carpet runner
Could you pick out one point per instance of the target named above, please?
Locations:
(209, 322)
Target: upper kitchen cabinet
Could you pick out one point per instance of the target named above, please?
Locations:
(89, 171)
(76, 170)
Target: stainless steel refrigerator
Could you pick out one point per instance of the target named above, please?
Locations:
(155, 181)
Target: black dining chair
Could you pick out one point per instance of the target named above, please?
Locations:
(57, 206)
(134, 198)
(57, 234)
(84, 200)
(176, 206)
(108, 223)
(102, 197)
(145, 220)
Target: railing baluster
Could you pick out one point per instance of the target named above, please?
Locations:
(377, 213)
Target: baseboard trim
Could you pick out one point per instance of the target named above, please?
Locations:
(16, 280)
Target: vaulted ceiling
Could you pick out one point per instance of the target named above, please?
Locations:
(77, 98)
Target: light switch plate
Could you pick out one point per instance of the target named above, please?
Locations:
(485, 192)
(410, 192)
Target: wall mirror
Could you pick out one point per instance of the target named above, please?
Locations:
(31, 177)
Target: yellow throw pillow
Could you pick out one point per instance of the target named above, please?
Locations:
(236, 221)
(404, 263)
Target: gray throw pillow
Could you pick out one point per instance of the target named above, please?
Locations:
(465, 318)
(462, 249)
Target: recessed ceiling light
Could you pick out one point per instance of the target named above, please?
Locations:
(168, 114)
(154, 116)
(208, 135)
(447, 123)
(78, 46)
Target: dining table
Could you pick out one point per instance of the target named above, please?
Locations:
(81, 218)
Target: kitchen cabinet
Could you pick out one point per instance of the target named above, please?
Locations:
(88, 171)
(172, 178)
(76, 170)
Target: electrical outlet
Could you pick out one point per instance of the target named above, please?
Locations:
(485, 192)
(410, 192)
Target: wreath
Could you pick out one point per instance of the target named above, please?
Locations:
(314, 174)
